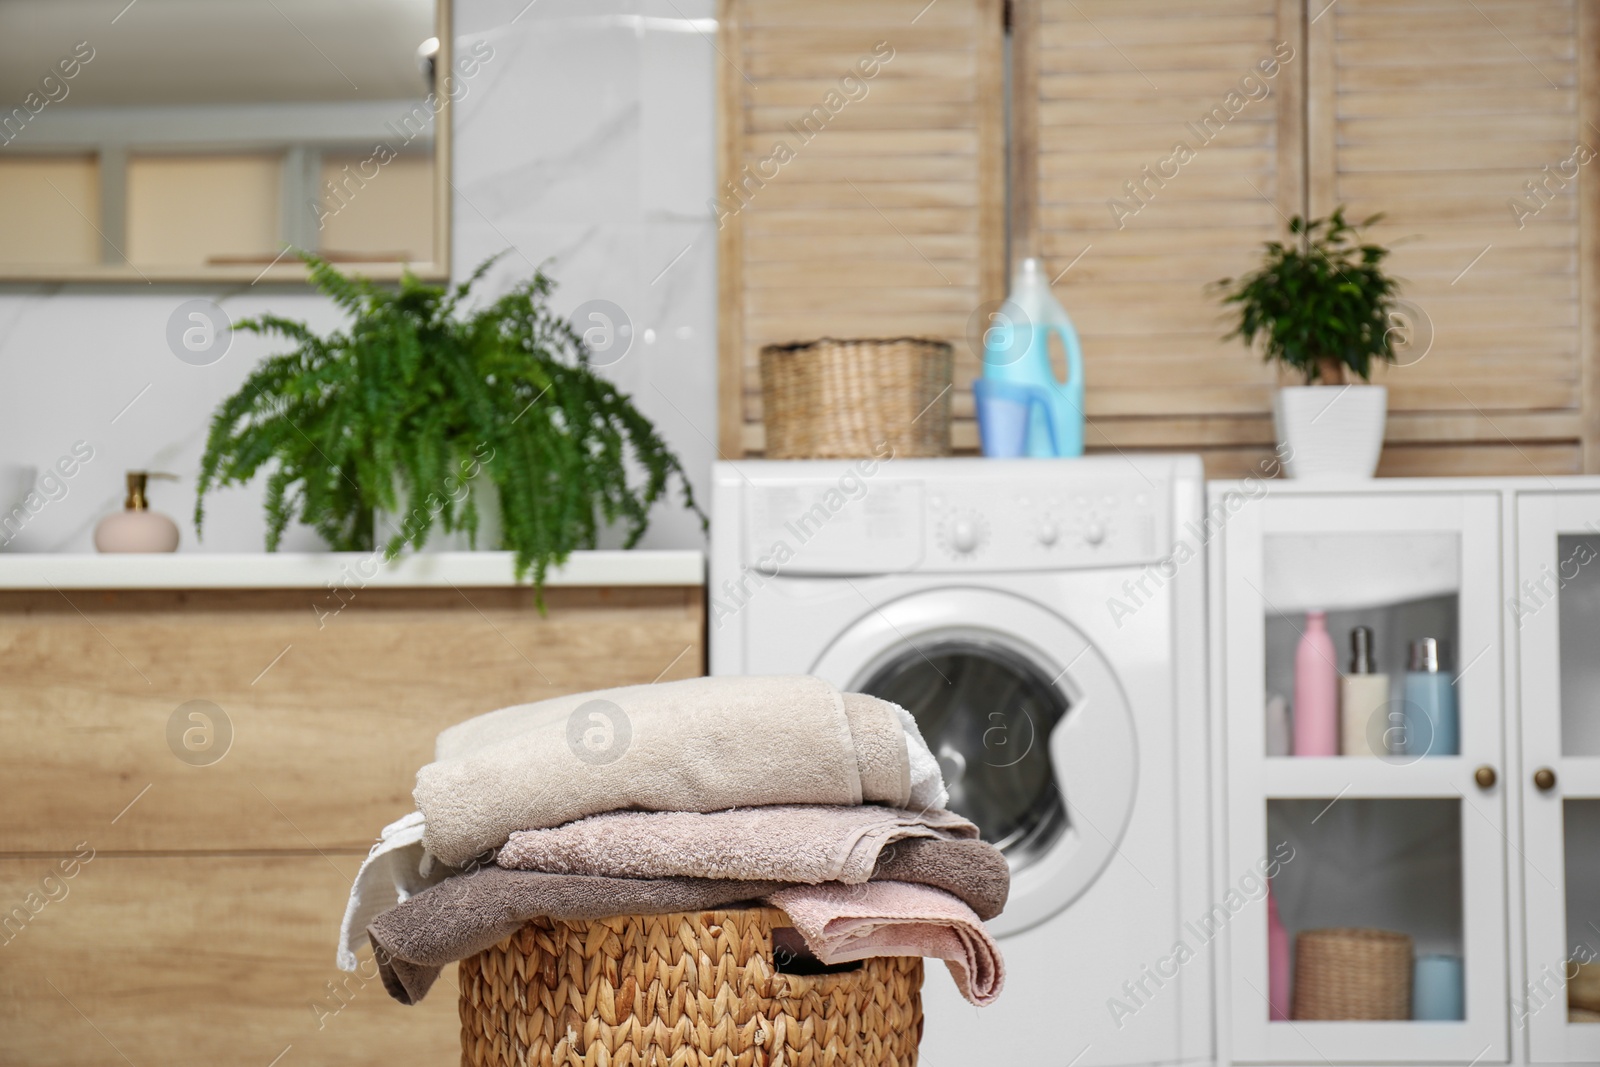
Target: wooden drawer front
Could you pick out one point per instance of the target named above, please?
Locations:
(186, 960)
(330, 715)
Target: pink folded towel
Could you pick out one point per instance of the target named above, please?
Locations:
(786, 842)
(841, 923)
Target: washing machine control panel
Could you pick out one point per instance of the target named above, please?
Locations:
(887, 524)
(1005, 526)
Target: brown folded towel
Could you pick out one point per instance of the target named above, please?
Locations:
(462, 916)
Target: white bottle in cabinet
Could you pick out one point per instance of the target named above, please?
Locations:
(1363, 700)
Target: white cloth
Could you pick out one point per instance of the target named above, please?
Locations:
(396, 868)
(927, 783)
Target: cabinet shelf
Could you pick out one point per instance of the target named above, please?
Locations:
(1578, 778)
(1290, 777)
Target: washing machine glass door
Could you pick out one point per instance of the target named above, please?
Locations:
(1029, 722)
(984, 708)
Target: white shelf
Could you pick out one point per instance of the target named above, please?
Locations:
(1352, 777)
(316, 570)
(1353, 571)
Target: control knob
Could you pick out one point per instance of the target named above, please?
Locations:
(963, 535)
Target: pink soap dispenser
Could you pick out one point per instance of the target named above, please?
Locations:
(1316, 690)
(136, 528)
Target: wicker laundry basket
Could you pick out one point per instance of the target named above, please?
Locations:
(833, 399)
(694, 989)
(1352, 974)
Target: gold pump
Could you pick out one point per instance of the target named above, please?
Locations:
(138, 482)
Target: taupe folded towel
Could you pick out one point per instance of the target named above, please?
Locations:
(974, 871)
(790, 842)
(703, 744)
(463, 916)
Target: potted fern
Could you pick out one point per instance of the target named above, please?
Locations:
(1322, 306)
(437, 416)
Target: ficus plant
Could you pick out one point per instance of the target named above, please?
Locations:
(1320, 303)
(418, 405)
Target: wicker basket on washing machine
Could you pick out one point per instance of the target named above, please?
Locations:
(844, 399)
(697, 989)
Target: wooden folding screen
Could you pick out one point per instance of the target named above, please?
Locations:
(862, 195)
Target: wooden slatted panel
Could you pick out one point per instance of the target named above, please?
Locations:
(1425, 109)
(1133, 226)
(881, 215)
(1438, 113)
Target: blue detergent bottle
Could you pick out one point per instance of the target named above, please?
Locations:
(1016, 350)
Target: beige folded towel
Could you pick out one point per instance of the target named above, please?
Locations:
(467, 914)
(704, 744)
(841, 923)
(789, 842)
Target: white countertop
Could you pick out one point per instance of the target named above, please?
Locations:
(316, 570)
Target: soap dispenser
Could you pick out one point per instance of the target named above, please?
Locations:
(136, 528)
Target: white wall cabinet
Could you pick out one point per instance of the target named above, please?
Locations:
(1473, 853)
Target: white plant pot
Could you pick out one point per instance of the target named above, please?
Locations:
(1330, 431)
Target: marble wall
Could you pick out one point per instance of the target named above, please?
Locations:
(584, 144)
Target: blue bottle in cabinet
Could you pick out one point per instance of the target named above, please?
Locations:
(1433, 726)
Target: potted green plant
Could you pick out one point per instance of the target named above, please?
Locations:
(1322, 306)
(437, 415)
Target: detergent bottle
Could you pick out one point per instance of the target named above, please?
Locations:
(1016, 351)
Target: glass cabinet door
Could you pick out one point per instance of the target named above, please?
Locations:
(1554, 613)
(1363, 701)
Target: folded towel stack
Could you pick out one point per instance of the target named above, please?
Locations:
(683, 796)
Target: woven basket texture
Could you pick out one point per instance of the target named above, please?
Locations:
(842, 399)
(683, 990)
(1352, 974)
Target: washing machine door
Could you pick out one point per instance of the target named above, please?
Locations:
(1030, 726)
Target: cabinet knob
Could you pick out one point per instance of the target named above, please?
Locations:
(1485, 777)
(1545, 779)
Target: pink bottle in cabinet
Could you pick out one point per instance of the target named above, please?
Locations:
(1277, 961)
(1316, 690)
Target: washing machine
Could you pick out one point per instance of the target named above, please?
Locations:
(1044, 621)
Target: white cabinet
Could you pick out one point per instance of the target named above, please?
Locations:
(1489, 854)
(1408, 842)
(1553, 621)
